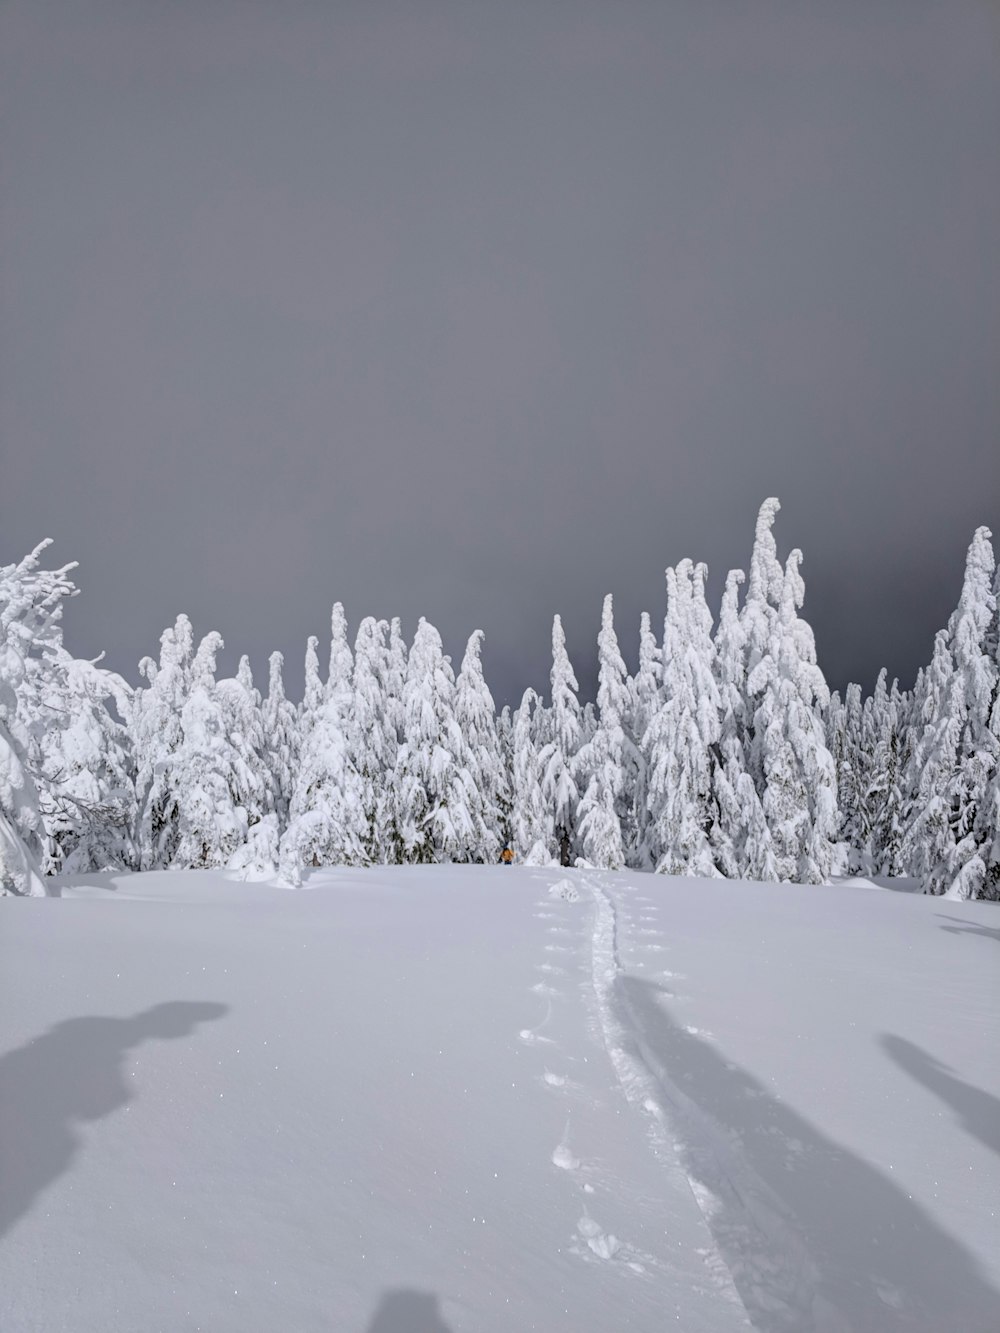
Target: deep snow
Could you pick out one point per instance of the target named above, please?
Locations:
(450, 1099)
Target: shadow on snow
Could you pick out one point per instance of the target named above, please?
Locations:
(978, 1111)
(816, 1238)
(406, 1311)
(71, 1073)
(966, 927)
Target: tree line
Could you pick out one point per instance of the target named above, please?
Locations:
(725, 754)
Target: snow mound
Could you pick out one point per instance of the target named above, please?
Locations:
(565, 889)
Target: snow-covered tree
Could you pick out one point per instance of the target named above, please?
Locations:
(781, 730)
(475, 714)
(531, 820)
(157, 736)
(313, 692)
(87, 792)
(395, 678)
(325, 818)
(610, 759)
(281, 739)
(558, 757)
(927, 838)
(740, 838)
(956, 755)
(505, 740)
(645, 691)
(211, 822)
(31, 651)
(852, 762)
(758, 856)
(251, 775)
(375, 740)
(765, 590)
(789, 749)
(883, 740)
(679, 740)
(435, 795)
(986, 827)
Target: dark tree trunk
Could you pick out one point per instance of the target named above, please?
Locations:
(564, 859)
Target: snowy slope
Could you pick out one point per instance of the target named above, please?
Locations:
(446, 1100)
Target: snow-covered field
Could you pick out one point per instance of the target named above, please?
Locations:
(424, 1100)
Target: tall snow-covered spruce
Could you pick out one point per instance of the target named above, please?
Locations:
(281, 740)
(558, 758)
(375, 740)
(609, 762)
(788, 759)
(157, 737)
(435, 799)
(951, 834)
(30, 656)
(325, 815)
(532, 829)
(67, 789)
(679, 739)
(87, 795)
(485, 781)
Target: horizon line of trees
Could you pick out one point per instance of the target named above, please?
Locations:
(724, 755)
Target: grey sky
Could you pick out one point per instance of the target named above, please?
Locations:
(480, 311)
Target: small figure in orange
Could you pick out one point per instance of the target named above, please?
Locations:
(507, 856)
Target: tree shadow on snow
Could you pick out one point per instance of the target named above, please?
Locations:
(406, 1311)
(71, 1073)
(964, 927)
(978, 1111)
(817, 1240)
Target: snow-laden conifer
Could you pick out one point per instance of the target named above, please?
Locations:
(610, 758)
(251, 777)
(739, 836)
(157, 737)
(974, 699)
(435, 796)
(955, 756)
(212, 773)
(789, 749)
(505, 740)
(87, 795)
(645, 693)
(375, 739)
(558, 757)
(927, 836)
(883, 740)
(325, 817)
(31, 653)
(764, 591)
(395, 678)
(281, 739)
(758, 853)
(475, 713)
(852, 762)
(986, 829)
(678, 740)
(313, 692)
(531, 820)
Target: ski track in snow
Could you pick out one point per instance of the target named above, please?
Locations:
(760, 1260)
(596, 1242)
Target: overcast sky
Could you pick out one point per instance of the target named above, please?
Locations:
(480, 311)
